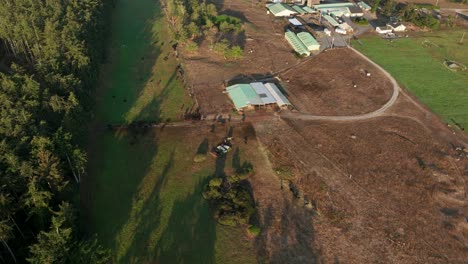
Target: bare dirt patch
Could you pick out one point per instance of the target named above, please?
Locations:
(388, 190)
(325, 84)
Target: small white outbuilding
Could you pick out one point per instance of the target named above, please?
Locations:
(383, 30)
(397, 27)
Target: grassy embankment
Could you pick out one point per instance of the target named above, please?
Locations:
(144, 194)
(417, 64)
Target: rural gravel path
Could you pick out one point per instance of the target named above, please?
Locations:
(376, 113)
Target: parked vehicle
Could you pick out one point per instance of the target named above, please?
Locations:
(222, 148)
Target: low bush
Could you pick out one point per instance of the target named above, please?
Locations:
(254, 230)
(220, 47)
(227, 24)
(230, 53)
(199, 158)
(361, 21)
(235, 53)
(191, 47)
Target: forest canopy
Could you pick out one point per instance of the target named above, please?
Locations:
(49, 56)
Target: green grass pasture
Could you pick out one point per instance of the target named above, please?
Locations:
(139, 79)
(417, 63)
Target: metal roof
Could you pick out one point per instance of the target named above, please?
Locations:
(277, 94)
(278, 8)
(337, 9)
(295, 22)
(340, 12)
(308, 41)
(395, 24)
(331, 20)
(243, 95)
(256, 93)
(296, 43)
(299, 9)
(263, 93)
(309, 10)
(346, 26)
(336, 5)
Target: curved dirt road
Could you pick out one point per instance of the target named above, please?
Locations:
(376, 113)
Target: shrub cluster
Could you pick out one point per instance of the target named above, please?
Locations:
(361, 21)
(412, 14)
(231, 198)
(191, 19)
(222, 48)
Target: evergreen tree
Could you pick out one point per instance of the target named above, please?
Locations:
(50, 53)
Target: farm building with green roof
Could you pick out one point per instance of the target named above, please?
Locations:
(243, 95)
(296, 43)
(309, 10)
(281, 10)
(257, 94)
(299, 9)
(308, 41)
(340, 9)
(323, 7)
(331, 20)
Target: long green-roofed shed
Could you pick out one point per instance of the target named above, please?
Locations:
(309, 10)
(280, 9)
(243, 95)
(340, 12)
(296, 43)
(299, 9)
(308, 40)
(335, 5)
(331, 20)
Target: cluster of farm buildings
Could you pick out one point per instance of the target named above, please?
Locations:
(331, 15)
(303, 39)
(336, 9)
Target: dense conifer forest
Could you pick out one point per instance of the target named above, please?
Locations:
(50, 51)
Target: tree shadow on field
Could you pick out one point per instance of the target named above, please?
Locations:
(118, 161)
(239, 39)
(203, 147)
(151, 109)
(220, 165)
(256, 77)
(116, 169)
(139, 150)
(133, 53)
(163, 228)
(291, 239)
(235, 13)
(191, 233)
(144, 215)
(236, 162)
